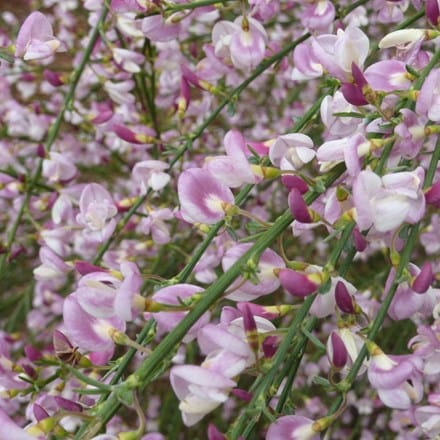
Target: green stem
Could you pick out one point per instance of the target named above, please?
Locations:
(193, 5)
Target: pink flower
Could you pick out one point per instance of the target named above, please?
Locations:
(157, 29)
(151, 174)
(292, 428)
(59, 167)
(35, 39)
(202, 198)
(200, 390)
(338, 52)
(264, 282)
(97, 210)
(291, 151)
(386, 202)
(397, 379)
(232, 170)
(428, 100)
(90, 333)
(173, 296)
(243, 41)
(9, 429)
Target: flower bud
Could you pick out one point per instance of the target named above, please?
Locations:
(298, 207)
(297, 284)
(344, 300)
(336, 351)
(432, 196)
(423, 280)
(290, 181)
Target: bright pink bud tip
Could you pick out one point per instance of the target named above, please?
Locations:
(359, 240)
(84, 268)
(423, 280)
(67, 404)
(432, 196)
(353, 94)
(290, 182)
(244, 395)
(214, 433)
(39, 412)
(298, 207)
(339, 355)
(344, 300)
(32, 353)
(297, 284)
(432, 11)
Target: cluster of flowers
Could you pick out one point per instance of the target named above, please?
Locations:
(239, 265)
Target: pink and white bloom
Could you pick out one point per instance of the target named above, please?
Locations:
(157, 29)
(292, 428)
(97, 210)
(128, 60)
(59, 167)
(337, 53)
(397, 379)
(202, 198)
(35, 39)
(265, 281)
(233, 169)
(243, 42)
(174, 296)
(200, 390)
(386, 202)
(151, 174)
(428, 100)
(291, 151)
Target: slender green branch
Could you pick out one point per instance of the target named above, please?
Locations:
(193, 5)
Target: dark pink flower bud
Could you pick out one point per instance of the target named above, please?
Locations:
(84, 268)
(130, 136)
(41, 152)
(290, 181)
(39, 412)
(298, 207)
(432, 11)
(269, 346)
(32, 353)
(53, 78)
(337, 352)
(344, 300)
(297, 284)
(214, 433)
(67, 404)
(30, 371)
(359, 240)
(354, 92)
(432, 196)
(423, 280)
(244, 395)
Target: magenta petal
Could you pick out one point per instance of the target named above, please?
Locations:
(297, 284)
(424, 279)
(298, 207)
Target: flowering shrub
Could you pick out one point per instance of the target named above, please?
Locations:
(219, 219)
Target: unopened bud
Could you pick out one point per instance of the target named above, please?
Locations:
(298, 207)
(296, 283)
(423, 280)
